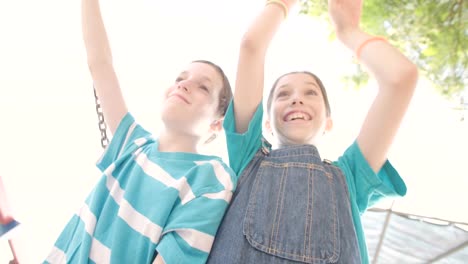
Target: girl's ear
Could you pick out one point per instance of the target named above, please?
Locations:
(329, 125)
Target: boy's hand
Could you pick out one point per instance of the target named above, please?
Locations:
(345, 16)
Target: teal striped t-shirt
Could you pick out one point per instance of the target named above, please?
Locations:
(146, 203)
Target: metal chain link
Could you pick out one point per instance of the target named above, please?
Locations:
(101, 122)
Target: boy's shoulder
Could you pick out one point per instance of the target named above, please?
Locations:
(218, 164)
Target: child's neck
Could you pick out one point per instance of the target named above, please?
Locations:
(170, 141)
(289, 144)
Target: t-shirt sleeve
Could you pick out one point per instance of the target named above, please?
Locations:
(189, 233)
(242, 147)
(128, 137)
(365, 186)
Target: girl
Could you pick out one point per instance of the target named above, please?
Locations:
(158, 200)
(290, 206)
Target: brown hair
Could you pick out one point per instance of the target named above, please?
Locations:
(319, 82)
(225, 95)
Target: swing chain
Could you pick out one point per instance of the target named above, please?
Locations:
(101, 122)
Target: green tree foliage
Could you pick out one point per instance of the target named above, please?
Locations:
(432, 33)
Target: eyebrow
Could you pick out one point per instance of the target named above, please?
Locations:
(204, 78)
(313, 84)
(308, 83)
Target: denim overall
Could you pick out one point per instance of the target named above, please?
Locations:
(289, 207)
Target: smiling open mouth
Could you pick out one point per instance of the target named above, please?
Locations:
(297, 116)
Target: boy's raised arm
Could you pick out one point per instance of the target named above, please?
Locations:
(395, 74)
(100, 64)
(248, 91)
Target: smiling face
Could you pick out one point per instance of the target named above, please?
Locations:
(298, 112)
(191, 104)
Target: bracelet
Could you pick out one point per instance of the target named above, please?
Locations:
(282, 4)
(367, 41)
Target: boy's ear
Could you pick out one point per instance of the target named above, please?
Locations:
(268, 126)
(217, 125)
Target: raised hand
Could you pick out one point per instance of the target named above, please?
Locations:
(395, 74)
(345, 15)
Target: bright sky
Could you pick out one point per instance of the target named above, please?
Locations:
(49, 140)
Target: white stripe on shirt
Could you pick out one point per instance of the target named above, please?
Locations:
(113, 185)
(140, 141)
(139, 222)
(196, 239)
(129, 215)
(57, 256)
(129, 133)
(156, 172)
(221, 174)
(99, 253)
(88, 218)
(223, 195)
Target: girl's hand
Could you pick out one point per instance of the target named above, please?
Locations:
(345, 16)
(291, 3)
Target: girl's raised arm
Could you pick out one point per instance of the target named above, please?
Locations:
(248, 91)
(395, 74)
